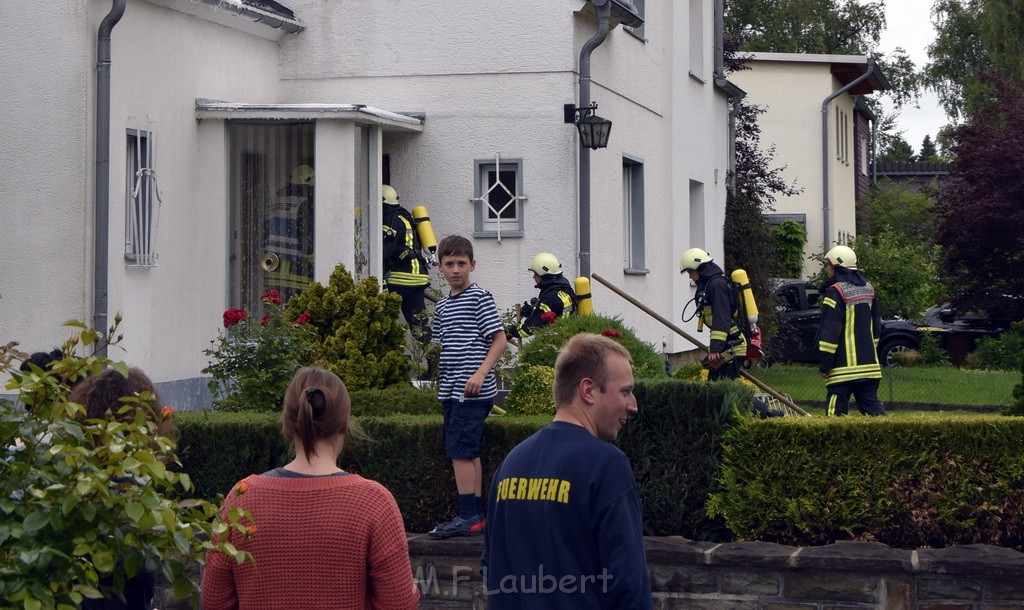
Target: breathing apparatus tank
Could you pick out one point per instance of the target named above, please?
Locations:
(424, 229)
(584, 304)
(742, 282)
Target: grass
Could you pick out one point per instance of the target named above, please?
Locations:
(944, 386)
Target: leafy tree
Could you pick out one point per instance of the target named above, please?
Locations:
(970, 35)
(981, 219)
(929, 153)
(902, 270)
(892, 207)
(897, 150)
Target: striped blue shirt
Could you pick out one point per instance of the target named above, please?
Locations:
(464, 325)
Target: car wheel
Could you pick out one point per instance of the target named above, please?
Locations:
(887, 350)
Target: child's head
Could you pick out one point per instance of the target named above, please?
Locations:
(101, 396)
(454, 245)
(316, 407)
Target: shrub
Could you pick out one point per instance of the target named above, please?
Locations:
(691, 371)
(908, 359)
(931, 354)
(358, 336)
(253, 361)
(996, 353)
(543, 348)
(1017, 404)
(394, 400)
(531, 392)
(86, 505)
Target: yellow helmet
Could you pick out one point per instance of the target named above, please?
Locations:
(545, 264)
(693, 258)
(842, 256)
(302, 174)
(389, 194)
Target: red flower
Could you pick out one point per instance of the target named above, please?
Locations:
(303, 318)
(610, 333)
(233, 316)
(548, 317)
(241, 488)
(167, 411)
(271, 296)
(264, 320)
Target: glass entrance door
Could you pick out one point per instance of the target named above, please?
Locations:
(272, 182)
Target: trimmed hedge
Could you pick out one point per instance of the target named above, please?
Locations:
(673, 445)
(907, 482)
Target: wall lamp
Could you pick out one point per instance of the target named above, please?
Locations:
(594, 130)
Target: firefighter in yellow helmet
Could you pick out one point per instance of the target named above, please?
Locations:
(406, 271)
(556, 297)
(718, 309)
(851, 321)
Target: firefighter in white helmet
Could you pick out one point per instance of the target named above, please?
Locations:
(851, 321)
(556, 297)
(718, 309)
(406, 271)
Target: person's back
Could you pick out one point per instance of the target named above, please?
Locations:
(564, 523)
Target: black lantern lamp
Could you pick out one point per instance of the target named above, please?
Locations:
(594, 130)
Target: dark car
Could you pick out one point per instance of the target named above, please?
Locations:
(799, 313)
(957, 333)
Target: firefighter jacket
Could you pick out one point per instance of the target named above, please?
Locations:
(403, 263)
(718, 308)
(556, 296)
(851, 321)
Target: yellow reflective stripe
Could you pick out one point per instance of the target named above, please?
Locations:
(851, 338)
(832, 404)
(544, 307)
(401, 278)
(719, 335)
(827, 347)
(566, 299)
(828, 302)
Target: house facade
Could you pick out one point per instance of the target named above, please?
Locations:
(822, 137)
(247, 142)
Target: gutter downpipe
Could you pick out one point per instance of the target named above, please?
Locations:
(102, 186)
(824, 151)
(603, 10)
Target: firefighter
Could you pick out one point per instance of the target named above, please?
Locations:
(556, 297)
(718, 309)
(406, 271)
(851, 321)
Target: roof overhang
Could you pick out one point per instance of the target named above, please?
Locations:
(846, 68)
(268, 20)
(359, 113)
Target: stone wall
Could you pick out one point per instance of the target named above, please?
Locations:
(768, 576)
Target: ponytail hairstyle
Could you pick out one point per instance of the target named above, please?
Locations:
(316, 406)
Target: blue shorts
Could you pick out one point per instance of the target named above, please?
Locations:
(463, 429)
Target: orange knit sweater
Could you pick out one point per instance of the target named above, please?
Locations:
(323, 542)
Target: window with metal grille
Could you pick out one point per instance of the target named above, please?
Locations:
(498, 188)
(142, 199)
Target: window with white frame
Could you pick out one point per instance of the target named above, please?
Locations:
(633, 233)
(142, 199)
(842, 136)
(697, 38)
(639, 32)
(498, 198)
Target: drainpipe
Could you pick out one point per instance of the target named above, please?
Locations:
(824, 150)
(102, 229)
(603, 10)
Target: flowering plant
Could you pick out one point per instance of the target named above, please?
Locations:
(254, 357)
(548, 317)
(611, 333)
(87, 503)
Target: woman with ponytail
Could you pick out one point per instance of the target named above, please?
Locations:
(320, 537)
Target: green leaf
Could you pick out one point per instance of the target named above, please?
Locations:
(120, 367)
(88, 511)
(135, 510)
(35, 521)
(103, 561)
(181, 542)
(68, 503)
(75, 324)
(33, 604)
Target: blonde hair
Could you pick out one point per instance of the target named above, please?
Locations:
(584, 356)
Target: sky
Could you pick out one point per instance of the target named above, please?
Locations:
(908, 25)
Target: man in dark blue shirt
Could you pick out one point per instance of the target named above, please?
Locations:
(564, 513)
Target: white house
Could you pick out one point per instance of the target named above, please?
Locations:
(230, 119)
(822, 136)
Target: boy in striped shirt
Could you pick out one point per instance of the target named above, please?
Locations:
(469, 329)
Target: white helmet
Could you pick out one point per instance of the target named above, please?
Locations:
(842, 256)
(388, 193)
(545, 264)
(693, 258)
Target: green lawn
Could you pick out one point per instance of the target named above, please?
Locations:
(932, 386)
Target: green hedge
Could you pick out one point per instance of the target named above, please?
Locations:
(673, 444)
(907, 482)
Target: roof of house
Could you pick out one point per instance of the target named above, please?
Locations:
(846, 68)
(911, 169)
